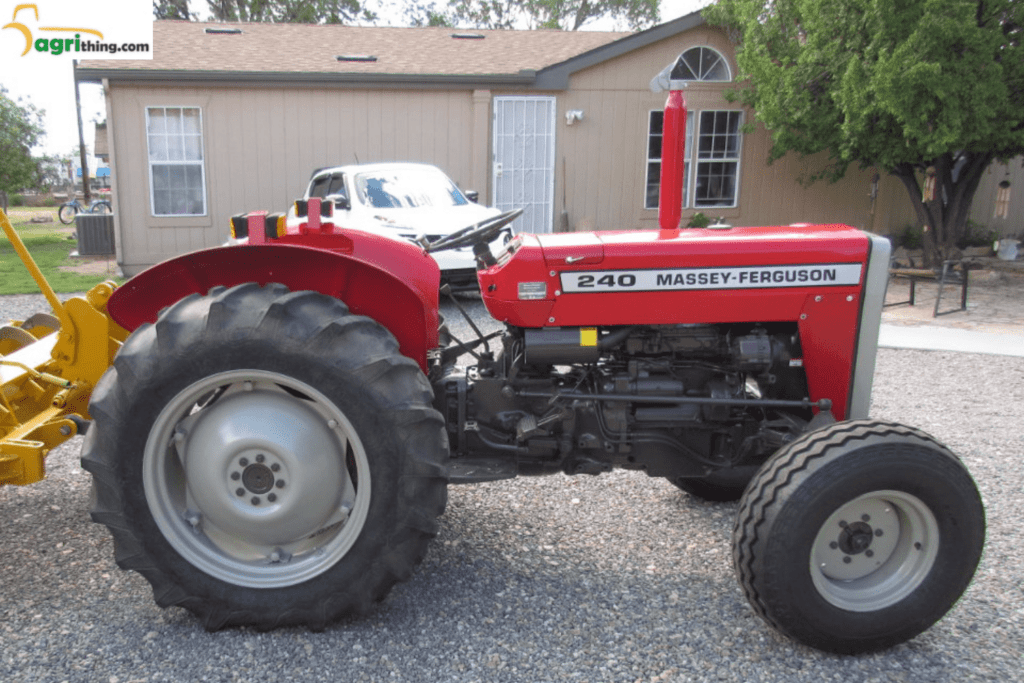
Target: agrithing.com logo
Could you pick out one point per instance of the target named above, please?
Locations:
(76, 29)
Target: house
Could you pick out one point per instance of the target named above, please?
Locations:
(229, 118)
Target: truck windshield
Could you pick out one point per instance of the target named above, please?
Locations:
(408, 189)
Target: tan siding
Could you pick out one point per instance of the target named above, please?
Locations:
(983, 209)
(262, 144)
(606, 154)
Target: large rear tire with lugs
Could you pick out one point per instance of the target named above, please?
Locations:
(265, 457)
(858, 536)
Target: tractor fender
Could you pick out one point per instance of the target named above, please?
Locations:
(392, 282)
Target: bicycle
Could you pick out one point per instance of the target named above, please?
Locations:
(68, 210)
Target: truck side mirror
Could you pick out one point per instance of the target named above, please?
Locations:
(472, 195)
(340, 201)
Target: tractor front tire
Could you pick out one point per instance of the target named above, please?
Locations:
(858, 536)
(266, 458)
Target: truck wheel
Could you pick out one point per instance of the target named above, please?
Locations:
(266, 458)
(720, 487)
(858, 536)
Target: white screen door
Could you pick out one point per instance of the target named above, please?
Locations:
(524, 159)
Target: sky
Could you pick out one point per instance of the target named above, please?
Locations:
(48, 82)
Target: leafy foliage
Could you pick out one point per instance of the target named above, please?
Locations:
(291, 11)
(172, 9)
(21, 129)
(914, 87)
(569, 15)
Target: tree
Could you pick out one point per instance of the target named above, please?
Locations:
(172, 9)
(568, 15)
(923, 89)
(21, 129)
(291, 11)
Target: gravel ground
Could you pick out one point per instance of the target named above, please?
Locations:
(611, 578)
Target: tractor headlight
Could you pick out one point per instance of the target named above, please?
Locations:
(529, 291)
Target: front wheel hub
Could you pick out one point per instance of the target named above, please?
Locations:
(874, 551)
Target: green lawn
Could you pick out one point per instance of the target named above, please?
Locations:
(50, 248)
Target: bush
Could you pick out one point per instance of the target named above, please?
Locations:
(698, 220)
(977, 236)
(910, 237)
(17, 200)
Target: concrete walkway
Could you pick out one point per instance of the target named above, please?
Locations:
(935, 338)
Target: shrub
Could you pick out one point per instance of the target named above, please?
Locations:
(17, 200)
(977, 236)
(909, 237)
(698, 220)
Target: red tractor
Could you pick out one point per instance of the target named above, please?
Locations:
(273, 442)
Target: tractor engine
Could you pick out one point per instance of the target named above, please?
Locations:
(679, 400)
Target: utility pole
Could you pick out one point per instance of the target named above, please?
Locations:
(81, 142)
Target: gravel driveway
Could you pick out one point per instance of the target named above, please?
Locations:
(611, 578)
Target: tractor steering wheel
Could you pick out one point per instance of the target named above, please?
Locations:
(478, 233)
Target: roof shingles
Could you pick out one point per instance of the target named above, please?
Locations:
(182, 46)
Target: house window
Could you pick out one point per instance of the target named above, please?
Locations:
(718, 159)
(716, 156)
(701, 64)
(177, 177)
(654, 137)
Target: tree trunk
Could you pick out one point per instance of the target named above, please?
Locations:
(943, 219)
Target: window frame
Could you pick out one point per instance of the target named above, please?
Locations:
(693, 160)
(737, 159)
(702, 77)
(201, 162)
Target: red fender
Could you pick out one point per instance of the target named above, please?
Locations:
(393, 282)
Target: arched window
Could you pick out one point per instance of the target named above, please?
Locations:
(701, 64)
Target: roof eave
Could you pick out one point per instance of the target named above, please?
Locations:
(556, 76)
(524, 78)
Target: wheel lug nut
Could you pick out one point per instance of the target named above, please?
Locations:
(843, 524)
(255, 500)
(275, 467)
(279, 483)
(244, 462)
(847, 559)
(917, 546)
(272, 497)
(833, 545)
(865, 518)
(239, 492)
(260, 458)
(878, 532)
(235, 476)
(869, 553)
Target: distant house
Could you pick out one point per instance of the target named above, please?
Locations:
(234, 117)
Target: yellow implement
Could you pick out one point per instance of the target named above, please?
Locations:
(49, 365)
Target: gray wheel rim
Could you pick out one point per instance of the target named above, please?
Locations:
(874, 551)
(257, 479)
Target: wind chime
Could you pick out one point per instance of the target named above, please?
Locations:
(1003, 200)
(928, 194)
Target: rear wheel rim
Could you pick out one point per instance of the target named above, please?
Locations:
(256, 478)
(874, 551)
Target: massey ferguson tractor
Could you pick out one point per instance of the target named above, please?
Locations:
(272, 427)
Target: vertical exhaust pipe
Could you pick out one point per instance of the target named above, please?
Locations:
(673, 157)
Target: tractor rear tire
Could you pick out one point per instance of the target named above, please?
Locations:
(858, 536)
(266, 458)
